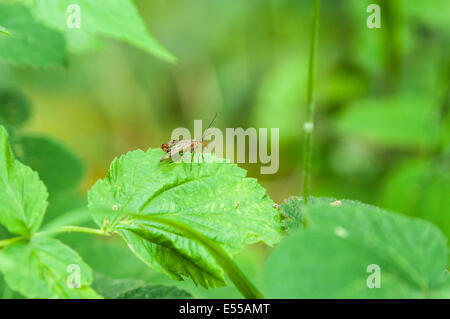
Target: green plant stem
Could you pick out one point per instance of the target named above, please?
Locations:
(6, 242)
(63, 229)
(244, 286)
(309, 123)
(76, 229)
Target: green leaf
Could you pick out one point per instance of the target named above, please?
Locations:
(22, 193)
(156, 292)
(40, 268)
(215, 199)
(118, 19)
(14, 107)
(329, 259)
(291, 211)
(135, 289)
(33, 43)
(113, 288)
(397, 122)
(59, 168)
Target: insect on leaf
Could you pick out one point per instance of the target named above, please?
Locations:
(215, 198)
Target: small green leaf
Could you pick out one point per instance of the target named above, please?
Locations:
(59, 168)
(22, 193)
(14, 107)
(292, 213)
(135, 289)
(215, 199)
(33, 43)
(40, 268)
(118, 19)
(330, 258)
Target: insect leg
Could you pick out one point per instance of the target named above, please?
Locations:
(192, 158)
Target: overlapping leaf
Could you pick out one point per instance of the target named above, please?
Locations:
(330, 258)
(118, 19)
(40, 268)
(215, 199)
(22, 193)
(31, 42)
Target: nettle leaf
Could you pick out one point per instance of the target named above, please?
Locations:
(330, 258)
(22, 193)
(112, 288)
(40, 268)
(14, 107)
(118, 19)
(135, 289)
(58, 166)
(215, 199)
(32, 43)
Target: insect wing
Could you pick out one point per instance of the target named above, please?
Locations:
(177, 147)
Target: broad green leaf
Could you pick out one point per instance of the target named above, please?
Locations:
(135, 289)
(215, 199)
(118, 19)
(22, 193)
(330, 258)
(33, 43)
(399, 122)
(14, 107)
(41, 268)
(59, 168)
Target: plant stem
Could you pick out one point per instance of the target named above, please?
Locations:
(6, 242)
(75, 229)
(309, 123)
(63, 229)
(244, 286)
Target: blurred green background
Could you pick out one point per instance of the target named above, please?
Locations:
(382, 113)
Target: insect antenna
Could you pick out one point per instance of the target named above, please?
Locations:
(214, 118)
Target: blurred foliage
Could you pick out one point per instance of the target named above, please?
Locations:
(382, 115)
(330, 258)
